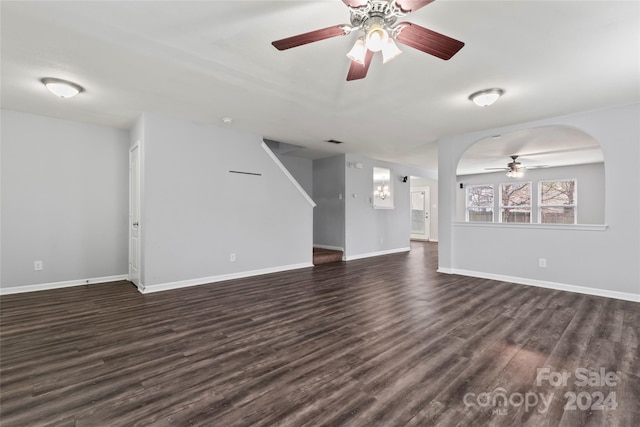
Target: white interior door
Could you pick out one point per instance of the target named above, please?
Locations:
(420, 222)
(134, 215)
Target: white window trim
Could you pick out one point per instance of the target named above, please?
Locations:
(466, 202)
(574, 205)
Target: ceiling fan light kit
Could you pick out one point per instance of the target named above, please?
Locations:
(357, 52)
(390, 51)
(376, 20)
(515, 169)
(515, 173)
(377, 36)
(484, 98)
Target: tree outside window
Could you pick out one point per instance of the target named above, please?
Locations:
(515, 202)
(480, 203)
(558, 202)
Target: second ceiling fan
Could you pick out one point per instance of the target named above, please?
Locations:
(515, 169)
(377, 19)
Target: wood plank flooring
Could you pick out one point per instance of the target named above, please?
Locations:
(326, 256)
(384, 341)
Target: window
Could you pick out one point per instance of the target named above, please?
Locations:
(480, 203)
(558, 202)
(515, 202)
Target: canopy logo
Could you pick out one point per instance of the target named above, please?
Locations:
(592, 400)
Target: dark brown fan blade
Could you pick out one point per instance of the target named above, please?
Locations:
(428, 41)
(310, 37)
(411, 5)
(359, 71)
(356, 3)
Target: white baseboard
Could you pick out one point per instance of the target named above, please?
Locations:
(59, 285)
(544, 284)
(372, 254)
(331, 248)
(147, 289)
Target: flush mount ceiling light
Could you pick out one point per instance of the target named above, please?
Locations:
(62, 88)
(227, 120)
(484, 98)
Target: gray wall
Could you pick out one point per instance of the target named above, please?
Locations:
(590, 191)
(64, 200)
(328, 193)
(602, 260)
(367, 230)
(196, 213)
(345, 217)
(300, 168)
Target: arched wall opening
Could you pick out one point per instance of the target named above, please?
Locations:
(558, 177)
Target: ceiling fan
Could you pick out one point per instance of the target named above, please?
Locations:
(515, 169)
(376, 20)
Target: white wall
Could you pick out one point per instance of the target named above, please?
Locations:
(195, 213)
(604, 262)
(328, 193)
(64, 201)
(590, 189)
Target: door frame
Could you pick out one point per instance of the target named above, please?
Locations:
(135, 150)
(427, 208)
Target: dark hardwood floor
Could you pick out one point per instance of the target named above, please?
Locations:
(326, 256)
(383, 341)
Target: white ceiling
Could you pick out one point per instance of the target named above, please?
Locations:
(206, 60)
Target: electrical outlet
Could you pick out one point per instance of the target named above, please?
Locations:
(232, 257)
(37, 265)
(542, 263)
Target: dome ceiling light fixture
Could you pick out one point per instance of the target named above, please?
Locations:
(62, 88)
(376, 23)
(484, 98)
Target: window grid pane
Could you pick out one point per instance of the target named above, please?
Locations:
(480, 203)
(515, 202)
(481, 214)
(558, 202)
(557, 215)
